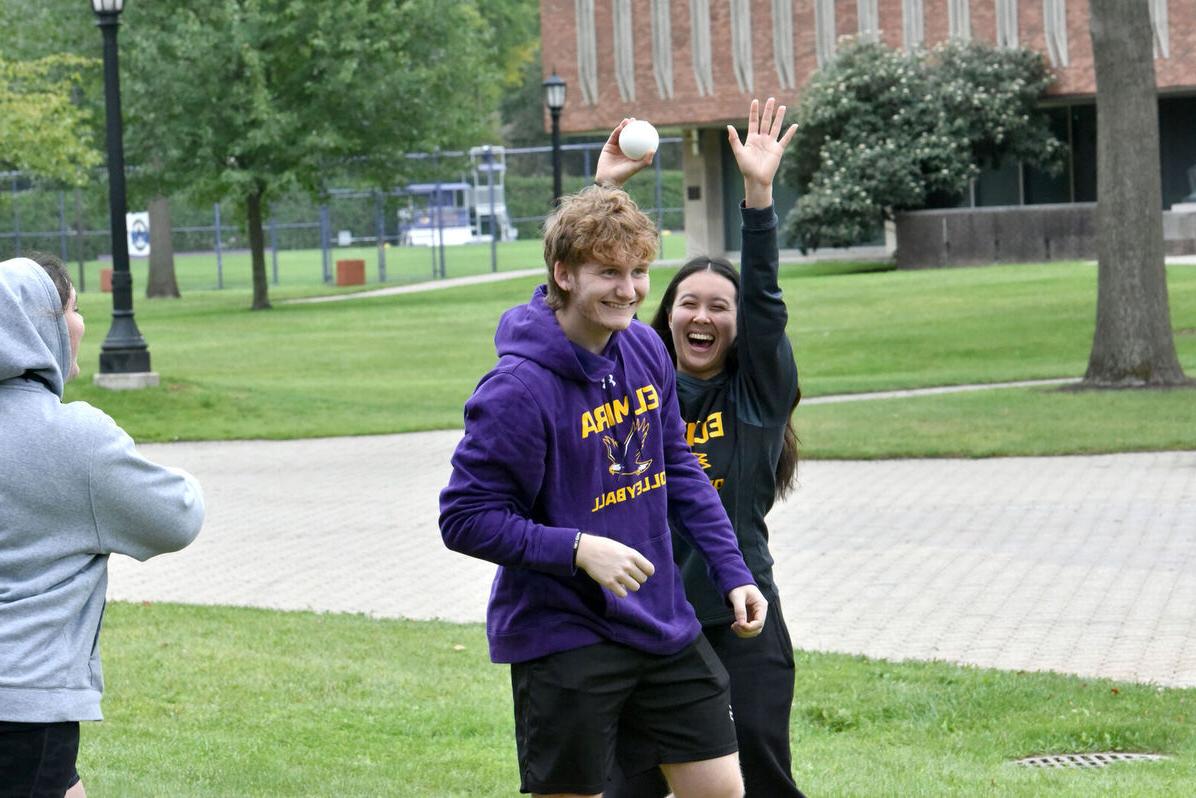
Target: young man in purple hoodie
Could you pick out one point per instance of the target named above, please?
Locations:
(573, 462)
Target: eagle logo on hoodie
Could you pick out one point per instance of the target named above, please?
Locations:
(627, 459)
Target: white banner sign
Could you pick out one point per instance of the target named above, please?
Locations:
(138, 226)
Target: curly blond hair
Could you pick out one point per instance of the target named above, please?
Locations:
(598, 223)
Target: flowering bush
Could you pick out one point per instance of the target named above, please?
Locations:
(881, 130)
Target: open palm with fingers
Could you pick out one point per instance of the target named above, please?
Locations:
(759, 155)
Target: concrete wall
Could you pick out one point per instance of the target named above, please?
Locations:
(701, 163)
(1016, 234)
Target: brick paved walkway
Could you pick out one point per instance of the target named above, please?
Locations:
(1084, 565)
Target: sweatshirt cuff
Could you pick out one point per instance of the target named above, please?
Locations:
(555, 552)
(758, 218)
(736, 575)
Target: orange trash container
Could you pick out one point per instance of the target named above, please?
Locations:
(350, 272)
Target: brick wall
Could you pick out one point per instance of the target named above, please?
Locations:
(688, 108)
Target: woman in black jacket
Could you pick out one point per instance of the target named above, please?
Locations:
(737, 386)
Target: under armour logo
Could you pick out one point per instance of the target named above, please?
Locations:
(608, 381)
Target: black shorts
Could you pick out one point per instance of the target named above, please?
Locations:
(577, 711)
(37, 760)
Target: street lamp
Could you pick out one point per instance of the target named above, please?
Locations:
(554, 98)
(124, 356)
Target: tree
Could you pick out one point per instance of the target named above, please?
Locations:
(43, 131)
(1133, 344)
(522, 109)
(243, 99)
(162, 282)
(515, 30)
(54, 27)
(881, 131)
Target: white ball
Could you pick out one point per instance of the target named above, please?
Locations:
(638, 139)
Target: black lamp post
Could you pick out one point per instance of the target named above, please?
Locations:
(124, 351)
(554, 98)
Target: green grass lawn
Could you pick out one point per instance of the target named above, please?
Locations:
(218, 702)
(402, 363)
(1001, 422)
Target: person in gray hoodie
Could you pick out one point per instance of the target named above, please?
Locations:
(73, 489)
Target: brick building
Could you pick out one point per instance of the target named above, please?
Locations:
(693, 64)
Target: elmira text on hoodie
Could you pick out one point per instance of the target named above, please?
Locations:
(557, 440)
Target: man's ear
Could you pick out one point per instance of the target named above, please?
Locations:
(562, 277)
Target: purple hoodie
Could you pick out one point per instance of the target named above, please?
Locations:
(558, 439)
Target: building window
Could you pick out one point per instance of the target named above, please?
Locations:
(587, 52)
(912, 20)
(624, 50)
(741, 43)
(1158, 23)
(824, 31)
(869, 24)
(1007, 23)
(1054, 23)
(699, 17)
(959, 20)
(782, 42)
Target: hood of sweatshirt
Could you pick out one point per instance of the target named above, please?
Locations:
(531, 331)
(33, 334)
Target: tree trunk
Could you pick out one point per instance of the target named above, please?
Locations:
(257, 249)
(1133, 344)
(162, 282)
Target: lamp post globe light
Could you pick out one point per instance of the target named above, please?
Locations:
(124, 355)
(554, 98)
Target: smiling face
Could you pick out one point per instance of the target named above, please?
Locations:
(600, 298)
(702, 322)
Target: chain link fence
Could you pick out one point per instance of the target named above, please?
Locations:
(461, 213)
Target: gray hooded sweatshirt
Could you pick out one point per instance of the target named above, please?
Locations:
(73, 490)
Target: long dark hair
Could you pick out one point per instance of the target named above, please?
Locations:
(786, 473)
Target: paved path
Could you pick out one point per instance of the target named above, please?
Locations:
(419, 288)
(787, 257)
(1085, 565)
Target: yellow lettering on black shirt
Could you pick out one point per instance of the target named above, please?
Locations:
(702, 431)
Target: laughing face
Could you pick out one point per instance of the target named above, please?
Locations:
(702, 321)
(602, 298)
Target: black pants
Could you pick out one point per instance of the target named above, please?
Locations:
(37, 760)
(762, 674)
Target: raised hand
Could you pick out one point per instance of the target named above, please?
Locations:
(615, 168)
(616, 567)
(759, 155)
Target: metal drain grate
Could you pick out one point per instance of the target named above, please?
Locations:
(1086, 760)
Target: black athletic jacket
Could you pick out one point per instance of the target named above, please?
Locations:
(739, 448)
